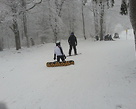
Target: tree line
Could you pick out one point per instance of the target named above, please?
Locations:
(30, 22)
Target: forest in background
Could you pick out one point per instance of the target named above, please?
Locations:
(24, 23)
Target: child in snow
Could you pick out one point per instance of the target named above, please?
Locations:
(58, 52)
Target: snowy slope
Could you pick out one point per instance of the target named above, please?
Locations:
(103, 77)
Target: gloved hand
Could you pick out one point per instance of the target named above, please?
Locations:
(64, 57)
(54, 57)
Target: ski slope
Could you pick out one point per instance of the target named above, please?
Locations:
(103, 77)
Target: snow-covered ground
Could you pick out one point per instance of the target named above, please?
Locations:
(103, 77)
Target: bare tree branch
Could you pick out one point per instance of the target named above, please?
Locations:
(34, 5)
(60, 8)
(31, 7)
(11, 28)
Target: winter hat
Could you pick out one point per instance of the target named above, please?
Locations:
(72, 33)
(57, 43)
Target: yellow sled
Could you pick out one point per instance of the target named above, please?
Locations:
(56, 64)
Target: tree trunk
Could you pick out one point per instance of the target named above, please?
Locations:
(14, 26)
(135, 38)
(101, 21)
(1, 44)
(96, 22)
(24, 20)
(133, 17)
(25, 29)
(16, 33)
(83, 20)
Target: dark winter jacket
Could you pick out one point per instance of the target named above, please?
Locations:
(72, 40)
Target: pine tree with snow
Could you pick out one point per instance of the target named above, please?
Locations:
(124, 8)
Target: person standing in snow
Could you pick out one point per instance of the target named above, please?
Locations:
(106, 37)
(110, 37)
(72, 40)
(58, 52)
(97, 38)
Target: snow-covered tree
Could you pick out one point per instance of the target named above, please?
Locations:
(69, 15)
(3, 15)
(55, 9)
(14, 5)
(23, 12)
(124, 8)
(99, 8)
